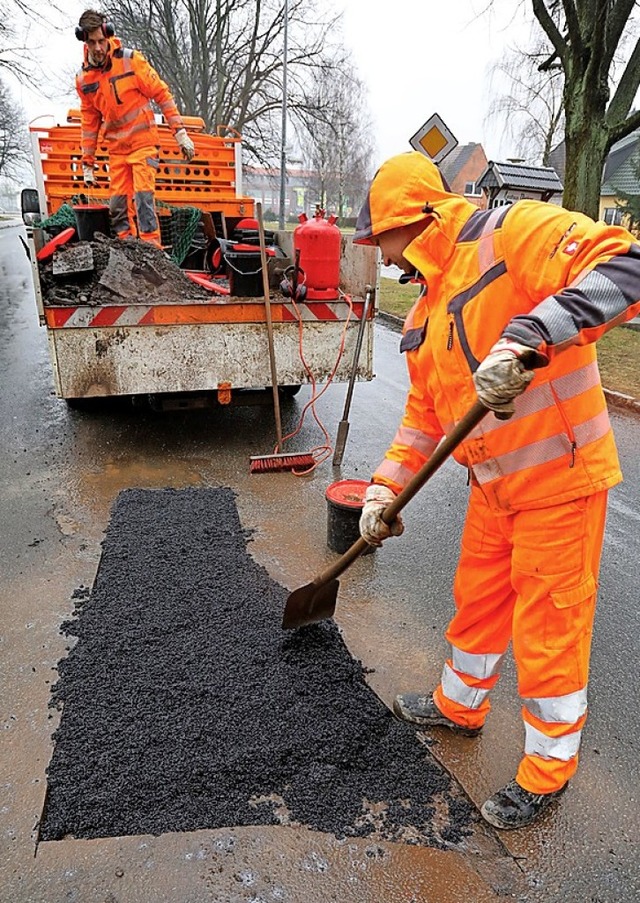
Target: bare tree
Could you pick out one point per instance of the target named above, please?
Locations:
(531, 107)
(585, 36)
(13, 47)
(223, 59)
(15, 150)
(337, 138)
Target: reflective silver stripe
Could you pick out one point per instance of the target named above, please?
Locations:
(391, 470)
(414, 439)
(522, 458)
(560, 313)
(538, 744)
(455, 689)
(563, 709)
(603, 293)
(592, 429)
(537, 398)
(576, 382)
(119, 126)
(558, 321)
(543, 451)
(475, 665)
(486, 248)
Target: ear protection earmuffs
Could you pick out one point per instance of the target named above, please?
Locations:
(108, 31)
(291, 287)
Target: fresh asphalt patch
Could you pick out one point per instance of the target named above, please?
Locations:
(185, 706)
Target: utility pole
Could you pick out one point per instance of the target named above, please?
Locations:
(283, 141)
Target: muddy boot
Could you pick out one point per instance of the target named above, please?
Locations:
(515, 807)
(422, 710)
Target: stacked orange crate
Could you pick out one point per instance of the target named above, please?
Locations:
(207, 182)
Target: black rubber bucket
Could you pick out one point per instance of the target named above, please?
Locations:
(245, 274)
(345, 500)
(92, 218)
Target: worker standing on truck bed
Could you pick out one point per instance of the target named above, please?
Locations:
(506, 290)
(115, 86)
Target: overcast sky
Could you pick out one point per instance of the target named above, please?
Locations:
(419, 57)
(416, 57)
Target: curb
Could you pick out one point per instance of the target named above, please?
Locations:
(6, 221)
(616, 399)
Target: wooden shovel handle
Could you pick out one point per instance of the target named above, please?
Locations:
(460, 431)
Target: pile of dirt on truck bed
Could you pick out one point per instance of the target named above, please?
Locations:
(112, 271)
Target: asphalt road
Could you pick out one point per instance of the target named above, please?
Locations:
(61, 472)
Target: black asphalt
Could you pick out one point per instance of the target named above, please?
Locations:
(185, 706)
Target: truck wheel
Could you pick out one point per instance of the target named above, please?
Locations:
(289, 391)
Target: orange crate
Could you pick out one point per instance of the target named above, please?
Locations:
(208, 181)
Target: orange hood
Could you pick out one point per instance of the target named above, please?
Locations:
(406, 189)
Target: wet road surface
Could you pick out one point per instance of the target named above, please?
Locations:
(61, 473)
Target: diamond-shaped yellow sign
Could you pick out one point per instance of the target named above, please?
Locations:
(434, 139)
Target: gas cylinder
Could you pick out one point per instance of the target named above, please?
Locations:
(318, 240)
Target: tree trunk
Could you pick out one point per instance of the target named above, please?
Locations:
(586, 152)
(586, 136)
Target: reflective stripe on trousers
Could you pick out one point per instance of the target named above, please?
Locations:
(528, 577)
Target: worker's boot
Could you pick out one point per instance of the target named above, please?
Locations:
(422, 710)
(515, 807)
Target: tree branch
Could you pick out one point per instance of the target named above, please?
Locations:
(550, 29)
(626, 91)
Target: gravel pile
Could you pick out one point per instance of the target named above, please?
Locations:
(185, 706)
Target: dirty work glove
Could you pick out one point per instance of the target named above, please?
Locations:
(502, 375)
(372, 527)
(88, 174)
(185, 144)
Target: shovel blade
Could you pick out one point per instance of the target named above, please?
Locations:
(310, 604)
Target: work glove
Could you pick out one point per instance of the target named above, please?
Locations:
(372, 528)
(185, 144)
(502, 376)
(88, 174)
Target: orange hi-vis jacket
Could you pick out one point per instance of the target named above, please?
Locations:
(116, 96)
(532, 272)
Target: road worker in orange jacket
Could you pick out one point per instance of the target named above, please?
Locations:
(514, 298)
(115, 86)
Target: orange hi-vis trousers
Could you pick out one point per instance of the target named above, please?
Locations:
(529, 577)
(133, 182)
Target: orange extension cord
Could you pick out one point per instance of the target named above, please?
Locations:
(321, 452)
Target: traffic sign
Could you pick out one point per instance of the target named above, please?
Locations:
(434, 139)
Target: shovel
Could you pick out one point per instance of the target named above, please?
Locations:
(317, 600)
(343, 426)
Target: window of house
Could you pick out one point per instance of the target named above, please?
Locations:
(613, 216)
(471, 190)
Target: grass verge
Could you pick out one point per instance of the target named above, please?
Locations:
(618, 350)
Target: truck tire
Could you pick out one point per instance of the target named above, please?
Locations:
(289, 391)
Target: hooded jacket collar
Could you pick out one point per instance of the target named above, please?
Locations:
(431, 251)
